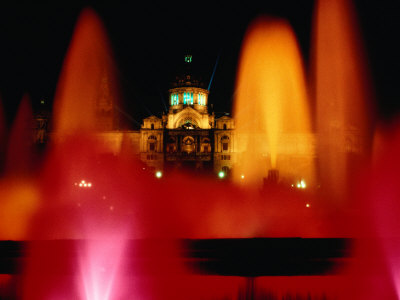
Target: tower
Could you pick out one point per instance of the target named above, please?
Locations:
(188, 136)
(188, 101)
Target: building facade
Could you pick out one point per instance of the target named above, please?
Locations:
(188, 136)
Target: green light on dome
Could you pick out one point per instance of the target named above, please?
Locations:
(188, 58)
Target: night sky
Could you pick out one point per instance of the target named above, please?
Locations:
(150, 40)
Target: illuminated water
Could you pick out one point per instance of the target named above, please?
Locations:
(87, 93)
(104, 202)
(271, 108)
(342, 94)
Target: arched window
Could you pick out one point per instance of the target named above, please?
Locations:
(226, 170)
(152, 140)
(188, 123)
(224, 126)
(225, 143)
(152, 126)
(171, 145)
(205, 145)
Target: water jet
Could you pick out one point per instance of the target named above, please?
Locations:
(107, 228)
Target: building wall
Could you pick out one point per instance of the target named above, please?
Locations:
(152, 143)
(225, 144)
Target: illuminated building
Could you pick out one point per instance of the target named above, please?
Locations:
(188, 136)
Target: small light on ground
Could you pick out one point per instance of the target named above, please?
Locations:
(221, 174)
(158, 174)
(308, 205)
(301, 185)
(242, 176)
(84, 184)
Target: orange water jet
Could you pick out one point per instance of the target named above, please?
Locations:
(20, 154)
(271, 108)
(2, 135)
(87, 93)
(342, 96)
(19, 195)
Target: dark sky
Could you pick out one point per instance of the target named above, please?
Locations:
(150, 40)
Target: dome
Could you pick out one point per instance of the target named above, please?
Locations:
(187, 78)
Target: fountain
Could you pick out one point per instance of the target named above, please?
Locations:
(342, 95)
(96, 226)
(271, 108)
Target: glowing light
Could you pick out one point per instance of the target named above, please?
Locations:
(308, 205)
(158, 174)
(188, 58)
(301, 185)
(221, 174)
(188, 98)
(174, 100)
(84, 184)
(242, 176)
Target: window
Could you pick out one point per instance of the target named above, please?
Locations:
(152, 143)
(152, 126)
(205, 145)
(188, 98)
(151, 157)
(174, 99)
(224, 126)
(202, 99)
(225, 143)
(225, 157)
